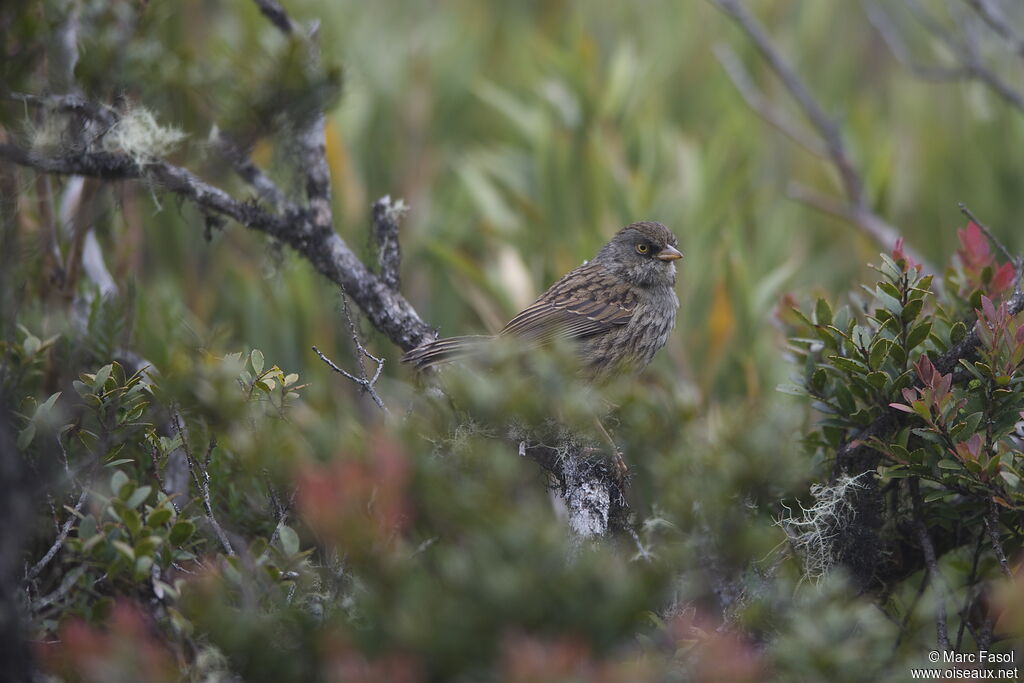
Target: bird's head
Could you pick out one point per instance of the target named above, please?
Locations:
(643, 253)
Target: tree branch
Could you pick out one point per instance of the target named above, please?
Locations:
(325, 250)
(61, 537)
(969, 64)
(386, 215)
(360, 352)
(203, 482)
(856, 209)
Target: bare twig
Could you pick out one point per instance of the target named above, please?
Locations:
(856, 209)
(756, 100)
(366, 383)
(931, 563)
(386, 215)
(871, 224)
(996, 21)
(894, 41)
(969, 63)
(826, 127)
(992, 528)
(201, 477)
(61, 537)
(66, 585)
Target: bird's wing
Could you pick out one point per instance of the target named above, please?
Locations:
(587, 301)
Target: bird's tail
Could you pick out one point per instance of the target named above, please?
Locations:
(441, 350)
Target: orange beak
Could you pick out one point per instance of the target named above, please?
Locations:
(669, 253)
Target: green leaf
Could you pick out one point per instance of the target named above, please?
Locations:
(101, 377)
(87, 528)
(937, 495)
(957, 333)
(256, 358)
(948, 464)
(289, 540)
(878, 379)
(120, 461)
(890, 289)
(125, 549)
(158, 517)
(879, 352)
(26, 435)
(181, 532)
(849, 365)
(918, 334)
(31, 345)
(138, 496)
(822, 312)
(117, 480)
(791, 389)
(911, 310)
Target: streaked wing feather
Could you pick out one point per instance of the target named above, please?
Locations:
(571, 310)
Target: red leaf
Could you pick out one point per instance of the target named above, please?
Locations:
(900, 406)
(974, 251)
(1003, 279)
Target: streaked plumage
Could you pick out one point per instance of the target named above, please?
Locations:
(618, 308)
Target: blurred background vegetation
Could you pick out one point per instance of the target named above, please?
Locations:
(522, 135)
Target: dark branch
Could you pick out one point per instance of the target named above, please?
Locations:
(386, 309)
(251, 173)
(273, 11)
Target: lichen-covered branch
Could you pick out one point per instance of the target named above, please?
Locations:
(386, 309)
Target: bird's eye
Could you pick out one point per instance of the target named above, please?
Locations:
(642, 248)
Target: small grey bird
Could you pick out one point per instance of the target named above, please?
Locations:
(617, 308)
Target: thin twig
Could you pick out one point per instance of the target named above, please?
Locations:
(883, 234)
(856, 209)
(826, 127)
(203, 482)
(882, 23)
(992, 527)
(967, 56)
(998, 23)
(69, 581)
(362, 381)
(61, 537)
(756, 100)
(931, 563)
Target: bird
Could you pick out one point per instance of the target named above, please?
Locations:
(617, 308)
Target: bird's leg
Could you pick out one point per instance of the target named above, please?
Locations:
(618, 463)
